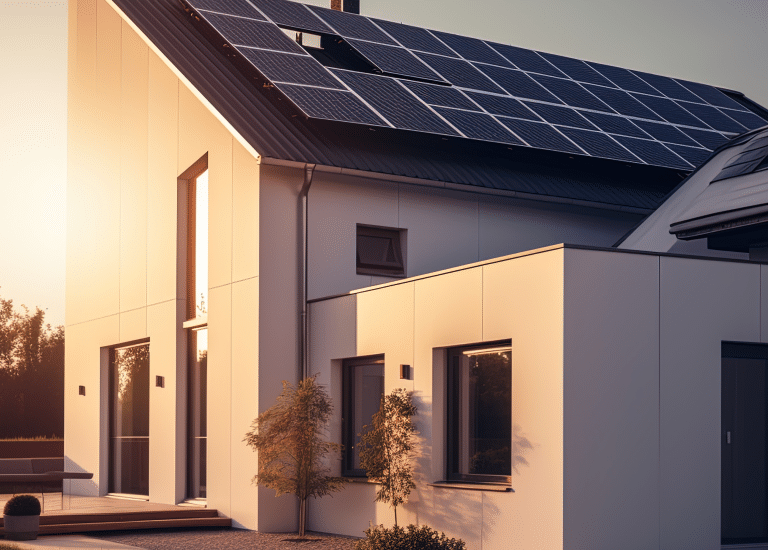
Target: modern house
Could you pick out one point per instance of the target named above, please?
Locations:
(262, 189)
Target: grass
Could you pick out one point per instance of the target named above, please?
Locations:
(37, 438)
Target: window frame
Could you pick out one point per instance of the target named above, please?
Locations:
(188, 228)
(398, 236)
(452, 424)
(347, 422)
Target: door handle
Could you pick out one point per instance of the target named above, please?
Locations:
(728, 438)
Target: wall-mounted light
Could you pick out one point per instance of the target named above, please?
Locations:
(160, 381)
(81, 390)
(405, 372)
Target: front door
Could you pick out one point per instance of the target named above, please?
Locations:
(129, 420)
(744, 443)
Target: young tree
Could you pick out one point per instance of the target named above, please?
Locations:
(386, 447)
(288, 437)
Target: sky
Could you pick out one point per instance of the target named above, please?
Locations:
(719, 42)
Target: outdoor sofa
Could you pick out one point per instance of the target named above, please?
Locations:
(35, 475)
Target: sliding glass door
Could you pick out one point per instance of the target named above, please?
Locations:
(129, 420)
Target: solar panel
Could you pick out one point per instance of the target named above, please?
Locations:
(748, 120)
(571, 93)
(518, 84)
(350, 25)
(498, 105)
(714, 118)
(692, 155)
(293, 15)
(710, 140)
(665, 132)
(331, 104)
(540, 135)
(478, 126)
(564, 116)
(653, 152)
(711, 95)
(598, 145)
(669, 110)
(460, 73)
(577, 69)
(527, 60)
(256, 34)
(414, 38)
(440, 95)
(394, 103)
(472, 49)
(613, 124)
(394, 60)
(229, 7)
(289, 68)
(622, 102)
(667, 86)
(624, 79)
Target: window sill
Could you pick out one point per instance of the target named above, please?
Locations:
(196, 322)
(470, 486)
(364, 480)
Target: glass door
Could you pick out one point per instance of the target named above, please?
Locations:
(197, 437)
(129, 420)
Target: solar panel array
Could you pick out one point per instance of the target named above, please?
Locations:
(451, 85)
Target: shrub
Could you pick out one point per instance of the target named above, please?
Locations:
(22, 505)
(410, 538)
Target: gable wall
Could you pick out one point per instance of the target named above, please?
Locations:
(134, 126)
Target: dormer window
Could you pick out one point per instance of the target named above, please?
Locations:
(380, 251)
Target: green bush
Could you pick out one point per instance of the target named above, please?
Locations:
(410, 538)
(22, 505)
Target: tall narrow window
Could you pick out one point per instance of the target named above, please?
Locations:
(197, 247)
(363, 388)
(129, 420)
(197, 400)
(480, 412)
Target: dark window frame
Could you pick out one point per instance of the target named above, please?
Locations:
(395, 269)
(347, 421)
(453, 420)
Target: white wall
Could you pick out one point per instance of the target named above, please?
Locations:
(445, 228)
(412, 323)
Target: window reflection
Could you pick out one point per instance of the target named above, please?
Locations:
(198, 431)
(480, 413)
(197, 249)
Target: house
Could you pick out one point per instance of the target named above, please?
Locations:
(263, 189)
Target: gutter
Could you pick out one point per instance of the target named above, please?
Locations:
(456, 186)
(309, 172)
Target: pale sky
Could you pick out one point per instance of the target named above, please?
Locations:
(722, 42)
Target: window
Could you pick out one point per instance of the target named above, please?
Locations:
(479, 409)
(197, 380)
(363, 388)
(197, 245)
(380, 251)
(129, 420)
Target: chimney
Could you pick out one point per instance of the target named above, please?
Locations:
(351, 6)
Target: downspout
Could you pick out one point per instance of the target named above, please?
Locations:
(309, 172)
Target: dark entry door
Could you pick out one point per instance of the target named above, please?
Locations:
(744, 440)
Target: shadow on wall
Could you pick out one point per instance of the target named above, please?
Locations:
(84, 487)
(444, 508)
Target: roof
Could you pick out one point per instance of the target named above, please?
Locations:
(266, 101)
(736, 198)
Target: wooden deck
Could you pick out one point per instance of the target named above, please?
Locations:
(85, 514)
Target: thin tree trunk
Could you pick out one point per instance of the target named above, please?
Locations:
(302, 517)
(395, 516)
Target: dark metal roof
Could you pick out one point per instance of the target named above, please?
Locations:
(275, 133)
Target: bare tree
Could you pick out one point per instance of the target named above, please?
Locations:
(289, 439)
(386, 448)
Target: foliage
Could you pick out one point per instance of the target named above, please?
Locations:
(6, 546)
(410, 538)
(288, 437)
(31, 374)
(22, 505)
(386, 447)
